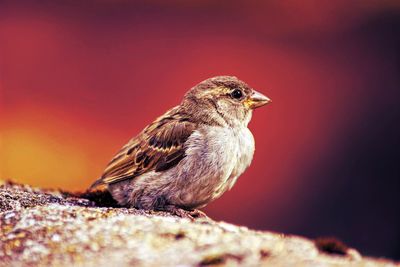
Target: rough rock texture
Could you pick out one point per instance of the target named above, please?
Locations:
(42, 228)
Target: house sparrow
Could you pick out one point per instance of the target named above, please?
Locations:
(190, 155)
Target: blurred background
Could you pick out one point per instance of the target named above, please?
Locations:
(80, 78)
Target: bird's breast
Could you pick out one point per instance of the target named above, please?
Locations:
(215, 158)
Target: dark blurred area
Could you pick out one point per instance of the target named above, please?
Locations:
(79, 78)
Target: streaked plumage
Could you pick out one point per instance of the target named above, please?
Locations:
(190, 155)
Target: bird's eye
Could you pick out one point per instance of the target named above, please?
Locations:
(237, 94)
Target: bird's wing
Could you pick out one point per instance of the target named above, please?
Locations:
(159, 147)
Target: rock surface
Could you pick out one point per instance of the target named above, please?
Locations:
(51, 228)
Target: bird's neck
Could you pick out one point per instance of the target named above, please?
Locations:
(210, 113)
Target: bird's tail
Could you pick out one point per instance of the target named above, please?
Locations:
(97, 183)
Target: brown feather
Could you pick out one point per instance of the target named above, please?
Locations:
(159, 147)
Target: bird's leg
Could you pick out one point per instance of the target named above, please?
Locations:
(198, 214)
(190, 214)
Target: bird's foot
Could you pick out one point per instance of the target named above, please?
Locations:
(189, 214)
(198, 214)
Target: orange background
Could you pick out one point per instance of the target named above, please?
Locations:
(79, 78)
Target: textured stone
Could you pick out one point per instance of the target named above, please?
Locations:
(52, 228)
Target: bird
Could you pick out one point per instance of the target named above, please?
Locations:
(189, 156)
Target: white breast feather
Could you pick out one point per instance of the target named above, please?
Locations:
(215, 158)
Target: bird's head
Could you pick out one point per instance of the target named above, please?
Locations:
(223, 100)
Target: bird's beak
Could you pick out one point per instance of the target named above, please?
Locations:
(257, 100)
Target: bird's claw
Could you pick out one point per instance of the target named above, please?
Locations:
(189, 214)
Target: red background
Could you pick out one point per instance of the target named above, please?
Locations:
(79, 78)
